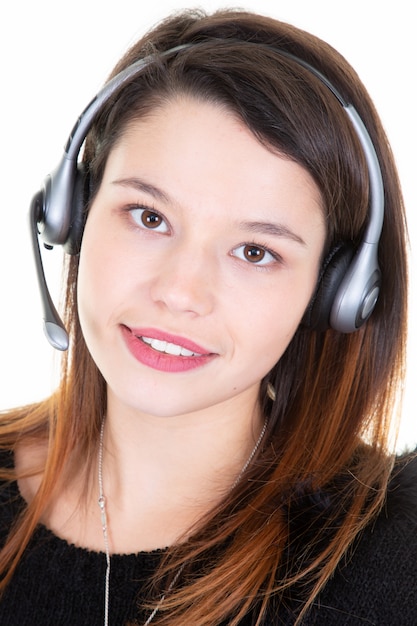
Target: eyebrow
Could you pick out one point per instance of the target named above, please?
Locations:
(140, 185)
(272, 228)
(265, 228)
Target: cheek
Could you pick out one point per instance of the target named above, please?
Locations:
(280, 330)
(268, 324)
(95, 279)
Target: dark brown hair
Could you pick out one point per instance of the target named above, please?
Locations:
(337, 395)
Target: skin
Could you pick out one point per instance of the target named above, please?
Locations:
(179, 240)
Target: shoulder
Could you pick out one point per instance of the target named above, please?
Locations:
(394, 531)
(11, 502)
(402, 490)
(376, 582)
(26, 461)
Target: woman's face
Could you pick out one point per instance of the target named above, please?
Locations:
(200, 254)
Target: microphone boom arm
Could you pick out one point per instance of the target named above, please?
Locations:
(53, 326)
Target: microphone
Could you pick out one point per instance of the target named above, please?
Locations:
(53, 326)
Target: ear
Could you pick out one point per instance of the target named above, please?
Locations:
(81, 194)
(334, 268)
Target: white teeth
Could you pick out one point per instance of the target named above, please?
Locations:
(168, 348)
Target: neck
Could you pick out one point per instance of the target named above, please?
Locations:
(162, 474)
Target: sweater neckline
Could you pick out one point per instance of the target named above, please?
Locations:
(11, 493)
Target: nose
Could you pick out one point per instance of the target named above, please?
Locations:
(185, 281)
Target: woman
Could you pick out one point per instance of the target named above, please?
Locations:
(218, 450)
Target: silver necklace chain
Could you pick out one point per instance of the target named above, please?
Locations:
(104, 525)
(103, 513)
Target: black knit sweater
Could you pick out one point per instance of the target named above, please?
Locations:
(58, 584)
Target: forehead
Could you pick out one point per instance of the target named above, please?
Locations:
(199, 156)
(213, 183)
(202, 135)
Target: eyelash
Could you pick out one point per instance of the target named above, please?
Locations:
(142, 209)
(152, 212)
(275, 257)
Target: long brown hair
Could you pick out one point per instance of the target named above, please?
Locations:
(337, 395)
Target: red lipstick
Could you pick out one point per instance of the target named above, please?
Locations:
(163, 351)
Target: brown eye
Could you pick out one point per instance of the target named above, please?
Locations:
(148, 219)
(151, 219)
(253, 254)
(256, 255)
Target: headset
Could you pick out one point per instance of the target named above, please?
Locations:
(350, 279)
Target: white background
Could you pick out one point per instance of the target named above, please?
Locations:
(54, 57)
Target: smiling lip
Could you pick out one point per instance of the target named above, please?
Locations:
(188, 355)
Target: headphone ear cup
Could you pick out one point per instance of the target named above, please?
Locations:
(334, 268)
(81, 193)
